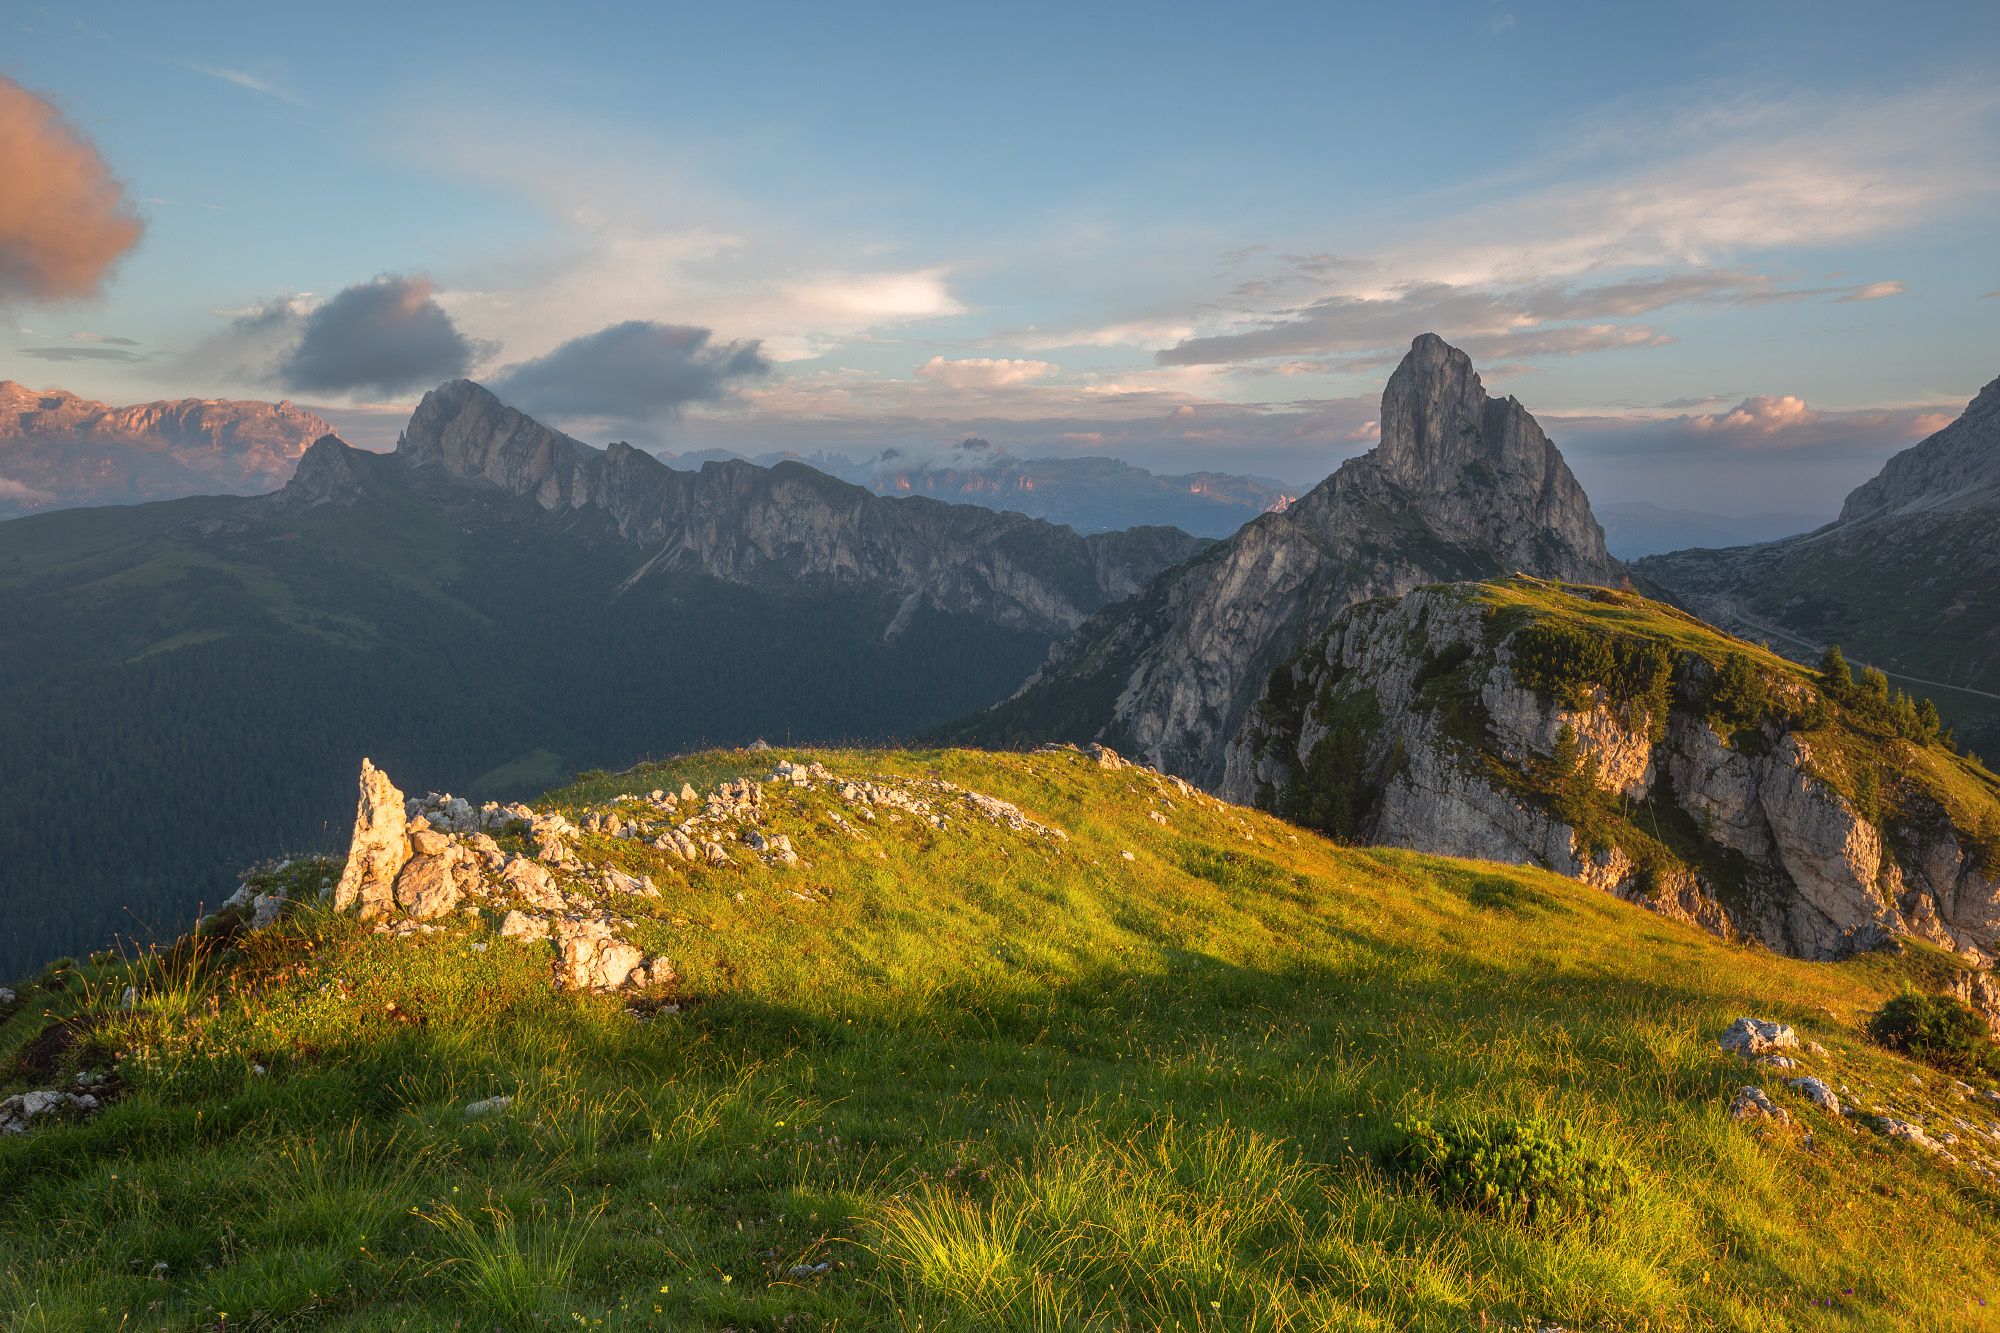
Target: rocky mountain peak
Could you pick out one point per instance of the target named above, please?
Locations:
(326, 474)
(1482, 468)
(1957, 467)
(1433, 415)
(461, 427)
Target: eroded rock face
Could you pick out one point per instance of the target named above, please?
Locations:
(1447, 746)
(1462, 486)
(378, 851)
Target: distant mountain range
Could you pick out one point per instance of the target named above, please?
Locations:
(1088, 494)
(60, 451)
(487, 608)
(1907, 578)
(1635, 528)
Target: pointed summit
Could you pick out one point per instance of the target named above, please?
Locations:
(461, 427)
(326, 474)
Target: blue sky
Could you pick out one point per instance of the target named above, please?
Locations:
(1732, 255)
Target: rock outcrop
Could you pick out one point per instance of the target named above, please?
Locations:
(1443, 721)
(1908, 577)
(60, 450)
(379, 850)
(1461, 486)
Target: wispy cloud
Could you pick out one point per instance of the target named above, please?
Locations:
(243, 79)
(1874, 291)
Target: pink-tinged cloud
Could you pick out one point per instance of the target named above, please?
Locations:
(1874, 291)
(1367, 430)
(983, 372)
(1765, 414)
(64, 220)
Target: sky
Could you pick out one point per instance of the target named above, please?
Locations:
(1732, 256)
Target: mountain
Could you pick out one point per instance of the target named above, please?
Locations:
(965, 1041)
(1620, 741)
(1089, 494)
(1462, 486)
(1635, 528)
(1908, 577)
(489, 607)
(59, 451)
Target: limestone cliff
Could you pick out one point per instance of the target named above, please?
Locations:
(1626, 744)
(1462, 486)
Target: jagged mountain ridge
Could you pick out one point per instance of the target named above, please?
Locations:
(1908, 577)
(59, 450)
(743, 523)
(1706, 778)
(1462, 486)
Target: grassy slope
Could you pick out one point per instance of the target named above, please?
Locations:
(994, 1082)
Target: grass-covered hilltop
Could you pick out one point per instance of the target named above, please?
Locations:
(950, 1040)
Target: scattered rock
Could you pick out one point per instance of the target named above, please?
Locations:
(1751, 1104)
(1909, 1133)
(1816, 1092)
(18, 1114)
(1751, 1037)
(7, 995)
(490, 1106)
(532, 881)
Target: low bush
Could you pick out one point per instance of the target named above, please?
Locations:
(1525, 1171)
(1939, 1030)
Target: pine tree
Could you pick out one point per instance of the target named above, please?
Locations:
(1929, 725)
(1834, 671)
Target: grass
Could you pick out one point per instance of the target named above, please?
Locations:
(970, 1078)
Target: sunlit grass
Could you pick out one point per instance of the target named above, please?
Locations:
(975, 1080)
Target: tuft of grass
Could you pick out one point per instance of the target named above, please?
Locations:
(509, 1267)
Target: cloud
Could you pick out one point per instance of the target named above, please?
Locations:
(1874, 291)
(1130, 333)
(635, 372)
(1987, 295)
(104, 338)
(1765, 415)
(241, 79)
(64, 221)
(981, 372)
(386, 336)
(117, 354)
(21, 493)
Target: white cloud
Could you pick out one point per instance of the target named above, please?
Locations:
(1147, 333)
(984, 372)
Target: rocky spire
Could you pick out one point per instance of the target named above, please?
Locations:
(1482, 469)
(326, 474)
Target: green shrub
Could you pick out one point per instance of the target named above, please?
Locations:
(1739, 697)
(1564, 663)
(1942, 1032)
(1525, 1171)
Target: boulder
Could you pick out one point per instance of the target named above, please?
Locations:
(1752, 1037)
(591, 957)
(532, 881)
(426, 888)
(518, 925)
(489, 1106)
(378, 850)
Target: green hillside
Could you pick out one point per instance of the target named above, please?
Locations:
(195, 678)
(1121, 1057)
